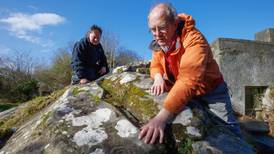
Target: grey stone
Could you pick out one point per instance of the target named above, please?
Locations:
(266, 35)
(144, 82)
(203, 147)
(119, 69)
(127, 77)
(244, 63)
(80, 123)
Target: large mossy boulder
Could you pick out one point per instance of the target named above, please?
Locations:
(105, 117)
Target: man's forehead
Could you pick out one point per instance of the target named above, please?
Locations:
(159, 20)
(95, 31)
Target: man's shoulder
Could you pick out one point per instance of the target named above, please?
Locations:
(81, 44)
(82, 41)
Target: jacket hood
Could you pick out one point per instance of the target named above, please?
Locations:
(188, 20)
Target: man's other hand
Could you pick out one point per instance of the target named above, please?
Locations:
(84, 81)
(158, 86)
(103, 71)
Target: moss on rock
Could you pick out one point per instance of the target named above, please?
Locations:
(271, 93)
(131, 98)
(76, 90)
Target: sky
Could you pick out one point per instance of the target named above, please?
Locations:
(39, 28)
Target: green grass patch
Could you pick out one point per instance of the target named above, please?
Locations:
(185, 147)
(6, 106)
(32, 107)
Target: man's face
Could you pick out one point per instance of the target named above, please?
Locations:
(94, 37)
(162, 29)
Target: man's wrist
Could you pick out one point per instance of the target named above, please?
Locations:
(158, 76)
(165, 115)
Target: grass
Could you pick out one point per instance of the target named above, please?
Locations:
(23, 114)
(185, 147)
(6, 106)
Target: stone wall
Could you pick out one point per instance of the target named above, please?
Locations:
(244, 63)
(266, 35)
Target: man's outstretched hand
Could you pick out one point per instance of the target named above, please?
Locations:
(154, 129)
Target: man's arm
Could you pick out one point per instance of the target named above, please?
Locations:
(156, 73)
(77, 62)
(192, 70)
(103, 62)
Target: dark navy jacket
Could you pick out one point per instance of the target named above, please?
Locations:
(88, 59)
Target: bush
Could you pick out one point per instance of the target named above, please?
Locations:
(58, 75)
(24, 91)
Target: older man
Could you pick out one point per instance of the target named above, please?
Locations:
(88, 58)
(183, 64)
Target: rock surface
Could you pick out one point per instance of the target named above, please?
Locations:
(105, 117)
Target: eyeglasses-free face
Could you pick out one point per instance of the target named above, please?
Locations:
(94, 37)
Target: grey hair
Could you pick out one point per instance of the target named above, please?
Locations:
(169, 11)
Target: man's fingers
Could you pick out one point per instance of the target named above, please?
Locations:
(158, 91)
(154, 136)
(149, 134)
(143, 132)
(155, 90)
(162, 88)
(161, 136)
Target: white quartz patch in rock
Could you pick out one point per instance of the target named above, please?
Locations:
(89, 136)
(125, 128)
(98, 151)
(93, 133)
(193, 131)
(95, 118)
(47, 146)
(119, 69)
(127, 78)
(184, 117)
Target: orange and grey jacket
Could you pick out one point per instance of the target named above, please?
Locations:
(196, 72)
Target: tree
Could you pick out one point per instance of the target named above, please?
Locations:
(117, 55)
(110, 46)
(58, 74)
(126, 56)
(17, 83)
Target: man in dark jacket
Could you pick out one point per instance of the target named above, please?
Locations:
(88, 58)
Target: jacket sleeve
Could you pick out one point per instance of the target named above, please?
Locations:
(103, 59)
(191, 72)
(155, 65)
(77, 60)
